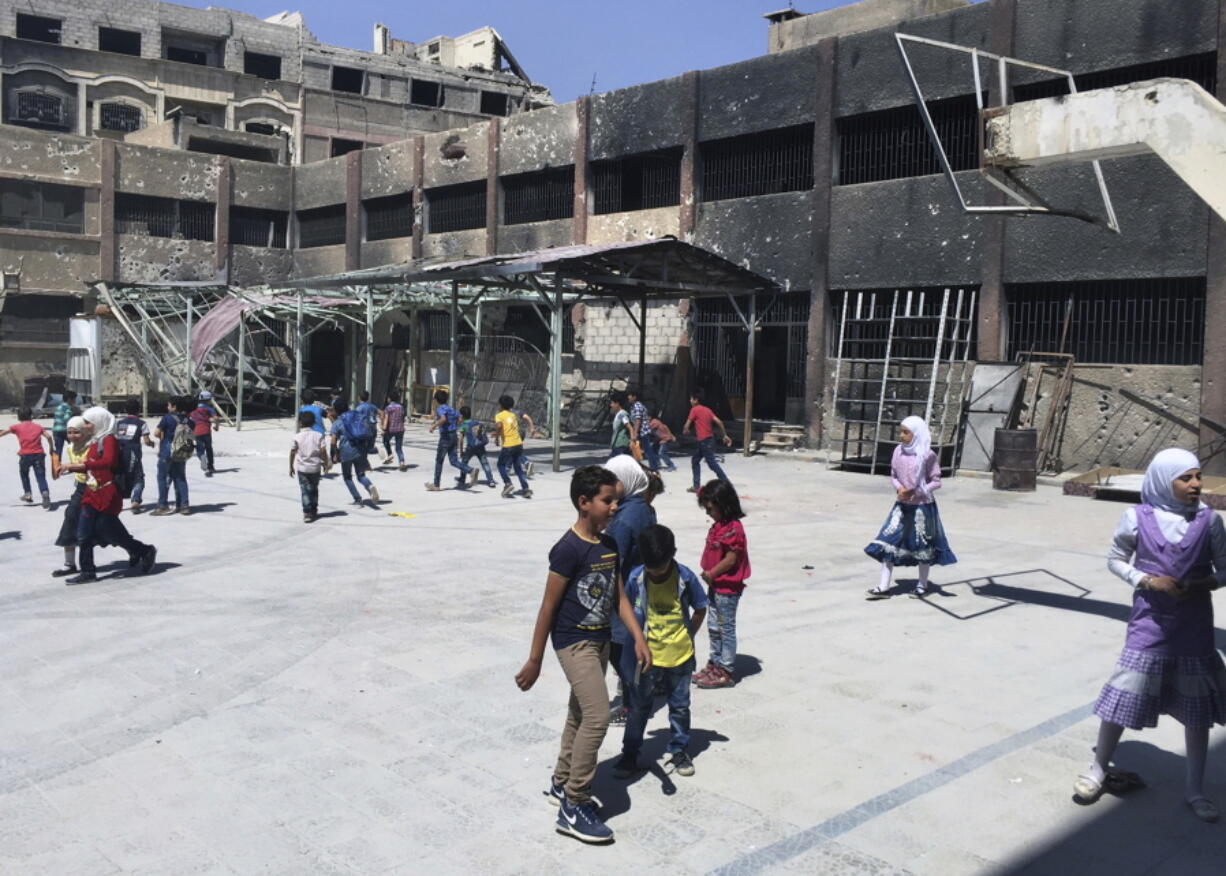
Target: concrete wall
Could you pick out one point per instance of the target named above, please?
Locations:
(160, 259)
(852, 18)
(50, 262)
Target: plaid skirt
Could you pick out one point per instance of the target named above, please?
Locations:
(1192, 690)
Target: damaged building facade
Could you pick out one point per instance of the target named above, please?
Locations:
(808, 165)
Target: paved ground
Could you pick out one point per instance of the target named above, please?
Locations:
(338, 698)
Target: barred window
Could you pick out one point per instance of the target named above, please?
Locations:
(456, 208)
(867, 330)
(1126, 322)
(894, 144)
(539, 195)
(1201, 69)
(253, 227)
(764, 163)
(435, 330)
(322, 226)
(38, 108)
(637, 182)
(163, 217)
(42, 206)
(389, 217)
(120, 117)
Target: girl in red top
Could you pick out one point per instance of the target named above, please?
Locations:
(725, 568)
(99, 521)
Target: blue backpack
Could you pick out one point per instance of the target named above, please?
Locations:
(476, 434)
(359, 429)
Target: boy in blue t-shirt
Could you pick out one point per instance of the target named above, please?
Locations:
(350, 448)
(473, 441)
(448, 425)
(581, 591)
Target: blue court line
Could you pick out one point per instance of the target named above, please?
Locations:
(799, 843)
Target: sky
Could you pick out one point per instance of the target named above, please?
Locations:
(560, 43)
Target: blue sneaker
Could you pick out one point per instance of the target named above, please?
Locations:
(581, 821)
(557, 793)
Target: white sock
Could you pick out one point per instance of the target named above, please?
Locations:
(70, 556)
(887, 577)
(923, 576)
(1096, 772)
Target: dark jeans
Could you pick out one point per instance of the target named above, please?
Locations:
(706, 451)
(641, 697)
(169, 471)
(59, 438)
(95, 528)
(357, 466)
(204, 449)
(398, 437)
(651, 452)
(448, 445)
(619, 451)
(138, 481)
(308, 483)
(30, 461)
(660, 449)
(512, 456)
(479, 453)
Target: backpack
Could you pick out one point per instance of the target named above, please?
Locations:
(129, 459)
(359, 430)
(183, 442)
(476, 434)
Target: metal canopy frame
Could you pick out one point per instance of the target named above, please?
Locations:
(627, 272)
(1025, 201)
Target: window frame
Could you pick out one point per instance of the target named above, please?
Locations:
(40, 190)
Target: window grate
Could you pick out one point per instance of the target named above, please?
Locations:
(436, 330)
(456, 208)
(1201, 69)
(322, 226)
(42, 206)
(637, 182)
(163, 217)
(120, 117)
(40, 109)
(253, 227)
(894, 144)
(757, 164)
(866, 334)
(539, 196)
(389, 217)
(1126, 322)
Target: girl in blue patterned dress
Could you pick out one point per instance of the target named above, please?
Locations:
(912, 535)
(1172, 550)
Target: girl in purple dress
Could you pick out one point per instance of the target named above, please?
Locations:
(1172, 549)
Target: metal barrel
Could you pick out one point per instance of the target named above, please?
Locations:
(1015, 460)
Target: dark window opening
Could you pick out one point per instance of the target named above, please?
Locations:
(435, 330)
(423, 92)
(348, 79)
(38, 319)
(42, 206)
(163, 217)
(36, 27)
(121, 117)
(637, 182)
(757, 164)
(539, 195)
(389, 217)
(36, 108)
(121, 42)
(1126, 322)
(495, 103)
(341, 146)
(264, 66)
(456, 208)
(234, 150)
(185, 55)
(264, 128)
(1201, 69)
(252, 227)
(893, 143)
(322, 226)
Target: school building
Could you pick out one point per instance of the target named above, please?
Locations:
(145, 143)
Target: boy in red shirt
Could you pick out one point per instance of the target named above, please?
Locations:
(702, 418)
(205, 421)
(30, 452)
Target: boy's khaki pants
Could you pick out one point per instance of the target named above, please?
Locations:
(587, 718)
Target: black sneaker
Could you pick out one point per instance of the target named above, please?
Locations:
(581, 821)
(627, 766)
(83, 578)
(147, 560)
(681, 764)
(557, 793)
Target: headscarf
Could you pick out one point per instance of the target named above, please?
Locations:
(921, 439)
(76, 423)
(103, 422)
(630, 473)
(1163, 469)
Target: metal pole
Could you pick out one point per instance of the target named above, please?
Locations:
(190, 310)
(144, 393)
(297, 400)
(412, 380)
(477, 326)
(555, 371)
(370, 340)
(451, 375)
(242, 373)
(642, 344)
(749, 356)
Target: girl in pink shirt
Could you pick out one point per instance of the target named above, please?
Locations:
(725, 569)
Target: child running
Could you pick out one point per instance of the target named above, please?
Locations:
(725, 569)
(622, 437)
(391, 421)
(30, 454)
(1172, 550)
(205, 420)
(74, 451)
(350, 445)
(306, 461)
(702, 418)
(912, 535)
(473, 440)
(506, 433)
(581, 593)
(658, 440)
(447, 424)
(663, 594)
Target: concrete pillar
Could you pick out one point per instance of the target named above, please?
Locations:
(1213, 364)
(221, 237)
(689, 155)
(819, 284)
(107, 249)
(491, 186)
(583, 115)
(353, 210)
(419, 197)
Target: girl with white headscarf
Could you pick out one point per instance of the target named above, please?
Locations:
(912, 534)
(1172, 550)
(76, 448)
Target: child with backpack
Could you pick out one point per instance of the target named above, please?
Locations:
(351, 440)
(176, 445)
(506, 433)
(132, 431)
(447, 424)
(30, 454)
(74, 451)
(473, 441)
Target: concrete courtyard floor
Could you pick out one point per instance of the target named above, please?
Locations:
(338, 698)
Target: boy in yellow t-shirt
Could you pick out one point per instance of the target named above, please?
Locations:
(506, 433)
(662, 594)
